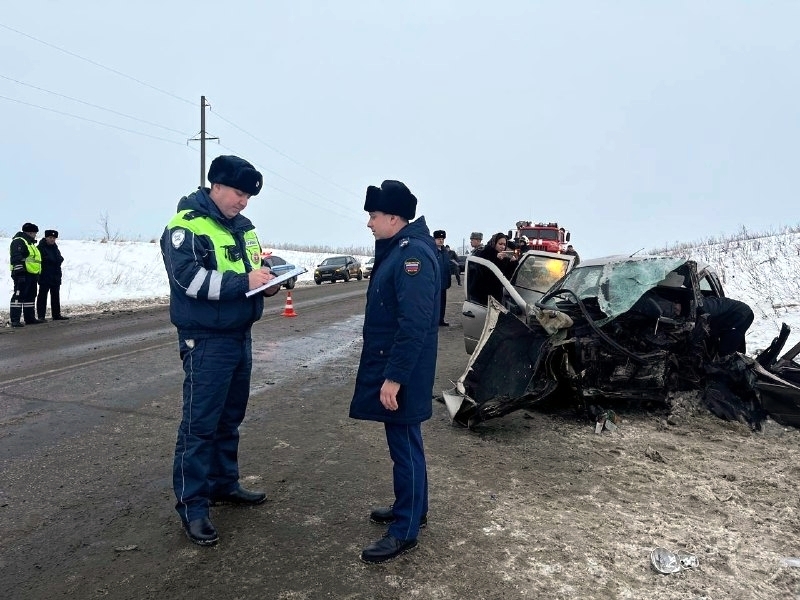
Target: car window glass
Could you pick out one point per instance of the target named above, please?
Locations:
(539, 273)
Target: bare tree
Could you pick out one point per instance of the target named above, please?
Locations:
(105, 226)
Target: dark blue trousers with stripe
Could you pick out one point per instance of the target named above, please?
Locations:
(216, 387)
(410, 475)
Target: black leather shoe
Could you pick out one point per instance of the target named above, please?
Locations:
(201, 531)
(386, 548)
(17, 324)
(34, 321)
(60, 318)
(384, 516)
(444, 324)
(241, 497)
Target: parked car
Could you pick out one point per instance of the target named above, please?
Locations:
(338, 267)
(609, 329)
(368, 266)
(279, 266)
(536, 272)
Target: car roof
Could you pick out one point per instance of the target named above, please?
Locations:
(615, 258)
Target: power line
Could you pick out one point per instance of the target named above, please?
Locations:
(347, 216)
(96, 64)
(140, 82)
(155, 137)
(305, 189)
(92, 105)
(286, 156)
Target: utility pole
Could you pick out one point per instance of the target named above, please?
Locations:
(203, 137)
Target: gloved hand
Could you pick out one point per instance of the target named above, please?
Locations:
(19, 278)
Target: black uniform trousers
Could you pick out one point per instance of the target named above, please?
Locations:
(55, 300)
(23, 298)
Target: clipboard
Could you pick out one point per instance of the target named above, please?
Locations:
(278, 280)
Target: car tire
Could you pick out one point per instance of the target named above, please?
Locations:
(360, 275)
(317, 280)
(290, 283)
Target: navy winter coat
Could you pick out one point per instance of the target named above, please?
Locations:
(443, 257)
(401, 328)
(51, 264)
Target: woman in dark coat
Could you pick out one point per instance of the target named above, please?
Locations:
(495, 252)
(50, 277)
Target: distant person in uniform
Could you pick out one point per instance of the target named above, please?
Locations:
(395, 376)
(50, 278)
(454, 270)
(444, 267)
(26, 265)
(476, 242)
(213, 258)
(572, 252)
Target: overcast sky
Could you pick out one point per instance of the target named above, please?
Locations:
(632, 124)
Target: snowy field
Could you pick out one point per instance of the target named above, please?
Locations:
(763, 271)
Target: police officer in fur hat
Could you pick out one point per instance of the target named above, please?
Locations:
(213, 258)
(26, 265)
(444, 266)
(398, 360)
(50, 279)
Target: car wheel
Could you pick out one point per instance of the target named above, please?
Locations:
(317, 280)
(290, 283)
(360, 275)
(346, 276)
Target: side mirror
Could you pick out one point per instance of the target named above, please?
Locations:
(567, 238)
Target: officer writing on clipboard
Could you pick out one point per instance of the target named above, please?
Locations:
(213, 257)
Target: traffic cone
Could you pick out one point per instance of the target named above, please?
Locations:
(288, 310)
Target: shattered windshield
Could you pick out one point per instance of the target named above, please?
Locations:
(617, 285)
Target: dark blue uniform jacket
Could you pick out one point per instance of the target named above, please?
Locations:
(51, 264)
(401, 328)
(203, 311)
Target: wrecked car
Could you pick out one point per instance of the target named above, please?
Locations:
(615, 330)
(536, 273)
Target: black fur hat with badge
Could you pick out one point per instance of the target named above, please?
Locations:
(439, 234)
(392, 198)
(237, 173)
(50, 233)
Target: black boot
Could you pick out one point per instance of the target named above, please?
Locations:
(30, 316)
(386, 548)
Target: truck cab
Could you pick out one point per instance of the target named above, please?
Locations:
(548, 237)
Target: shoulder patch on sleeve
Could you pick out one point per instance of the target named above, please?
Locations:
(177, 238)
(412, 266)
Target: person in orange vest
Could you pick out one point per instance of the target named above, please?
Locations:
(26, 264)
